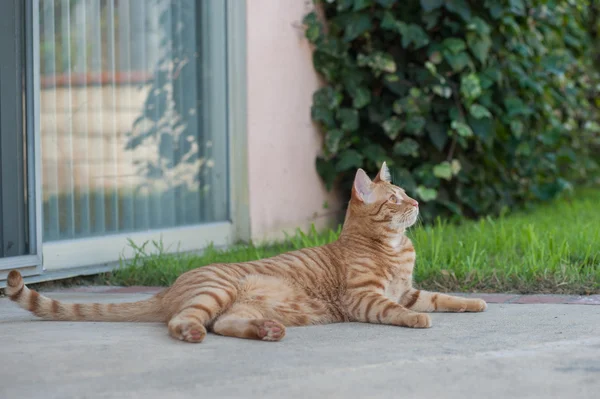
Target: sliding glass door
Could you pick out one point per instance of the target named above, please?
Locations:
(117, 120)
(133, 115)
(133, 107)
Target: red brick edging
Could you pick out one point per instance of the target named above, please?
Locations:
(537, 298)
(489, 298)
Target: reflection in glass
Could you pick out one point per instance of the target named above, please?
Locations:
(133, 115)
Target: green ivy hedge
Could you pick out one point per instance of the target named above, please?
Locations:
(475, 105)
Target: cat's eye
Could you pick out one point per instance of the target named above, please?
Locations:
(394, 199)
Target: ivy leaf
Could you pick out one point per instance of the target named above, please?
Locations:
(327, 171)
(323, 115)
(313, 30)
(517, 7)
(524, 149)
(378, 112)
(344, 5)
(416, 35)
(460, 7)
(406, 105)
(479, 45)
(415, 92)
(457, 62)
(516, 126)
(514, 106)
(327, 97)
(361, 97)
(470, 87)
(415, 124)
(398, 107)
(326, 65)
(566, 155)
(454, 113)
(431, 19)
(479, 111)
(436, 57)
(357, 24)
(455, 166)
(592, 126)
(332, 140)
(430, 66)
(391, 78)
(443, 170)
(411, 33)
(352, 77)
(454, 26)
(389, 22)
(453, 207)
(482, 128)
(378, 61)
(362, 4)
(546, 191)
(349, 159)
(429, 5)
(454, 45)
(348, 118)
(392, 127)
(496, 9)
(480, 26)
(332, 46)
(374, 152)
(407, 147)
(461, 128)
(426, 194)
(442, 91)
(437, 134)
(403, 178)
(489, 77)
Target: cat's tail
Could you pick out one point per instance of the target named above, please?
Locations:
(150, 310)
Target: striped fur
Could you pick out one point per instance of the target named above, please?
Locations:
(364, 276)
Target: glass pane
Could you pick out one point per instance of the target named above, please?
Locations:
(14, 206)
(133, 115)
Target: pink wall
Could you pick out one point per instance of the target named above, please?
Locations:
(285, 189)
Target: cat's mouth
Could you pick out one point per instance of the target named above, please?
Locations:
(413, 218)
(407, 220)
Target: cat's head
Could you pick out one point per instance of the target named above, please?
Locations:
(380, 202)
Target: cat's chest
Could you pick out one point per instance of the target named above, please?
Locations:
(401, 272)
(398, 285)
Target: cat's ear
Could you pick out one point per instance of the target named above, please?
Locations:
(384, 174)
(363, 187)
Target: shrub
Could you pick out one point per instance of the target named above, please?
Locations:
(475, 105)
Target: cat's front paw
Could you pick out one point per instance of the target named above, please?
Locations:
(418, 320)
(476, 305)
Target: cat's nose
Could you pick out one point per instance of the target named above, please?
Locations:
(414, 203)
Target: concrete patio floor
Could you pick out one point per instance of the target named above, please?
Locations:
(510, 351)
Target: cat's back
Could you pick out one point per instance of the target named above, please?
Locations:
(312, 266)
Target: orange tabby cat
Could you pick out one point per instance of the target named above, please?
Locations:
(364, 276)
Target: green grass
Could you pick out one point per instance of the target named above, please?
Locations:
(554, 248)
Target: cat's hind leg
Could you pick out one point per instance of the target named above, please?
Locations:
(204, 306)
(188, 325)
(245, 321)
